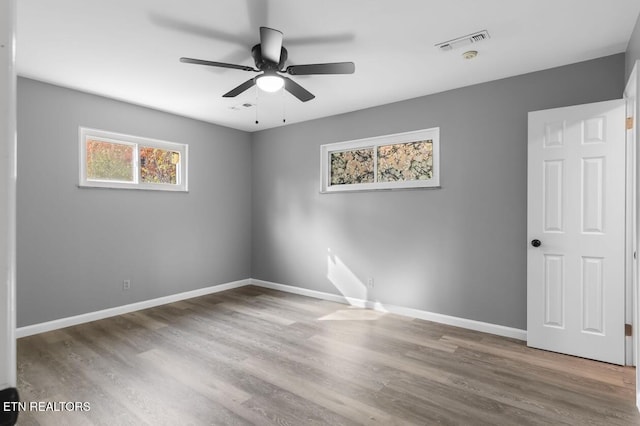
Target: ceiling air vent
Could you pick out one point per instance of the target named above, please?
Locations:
(463, 41)
(241, 106)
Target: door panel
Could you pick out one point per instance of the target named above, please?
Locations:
(576, 208)
(554, 290)
(592, 187)
(553, 190)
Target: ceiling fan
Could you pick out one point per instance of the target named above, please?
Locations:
(270, 57)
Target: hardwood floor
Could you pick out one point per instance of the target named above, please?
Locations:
(258, 356)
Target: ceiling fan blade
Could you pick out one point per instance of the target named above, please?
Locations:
(296, 90)
(217, 64)
(270, 44)
(244, 86)
(333, 68)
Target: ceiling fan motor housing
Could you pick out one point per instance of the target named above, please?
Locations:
(264, 64)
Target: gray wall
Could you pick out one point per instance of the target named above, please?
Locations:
(75, 246)
(459, 250)
(633, 50)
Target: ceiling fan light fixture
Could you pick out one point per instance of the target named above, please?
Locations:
(270, 83)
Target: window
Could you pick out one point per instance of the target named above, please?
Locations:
(112, 160)
(404, 160)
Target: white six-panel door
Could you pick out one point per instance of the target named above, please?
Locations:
(576, 212)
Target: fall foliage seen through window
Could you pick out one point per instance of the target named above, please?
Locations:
(109, 161)
(127, 163)
(394, 161)
(158, 165)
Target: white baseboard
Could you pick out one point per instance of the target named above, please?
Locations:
(484, 327)
(119, 310)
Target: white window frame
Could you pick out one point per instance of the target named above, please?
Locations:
(181, 184)
(432, 134)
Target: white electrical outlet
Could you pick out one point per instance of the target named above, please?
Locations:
(369, 282)
(126, 284)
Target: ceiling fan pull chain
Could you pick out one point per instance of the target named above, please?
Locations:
(284, 112)
(257, 105)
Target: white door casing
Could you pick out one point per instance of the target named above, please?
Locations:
(630, 226)
(633, 106)
(631, 99)
(7, 193)
(576, 209)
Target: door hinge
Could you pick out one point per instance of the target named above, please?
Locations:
(628, 330)
(629, 123)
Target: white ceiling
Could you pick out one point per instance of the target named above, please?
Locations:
(129, 49)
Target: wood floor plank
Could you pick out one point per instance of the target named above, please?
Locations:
(259, 356)
(326, 393)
